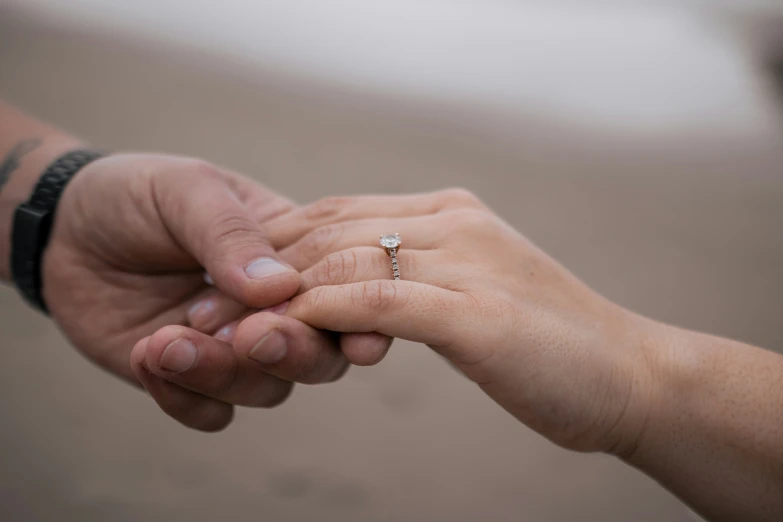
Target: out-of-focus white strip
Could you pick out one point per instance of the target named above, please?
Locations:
(622, 66)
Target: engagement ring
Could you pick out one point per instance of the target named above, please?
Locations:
(391, 242)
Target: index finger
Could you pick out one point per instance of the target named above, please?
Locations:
(290, 227)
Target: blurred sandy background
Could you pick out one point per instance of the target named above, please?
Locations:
(641, 147)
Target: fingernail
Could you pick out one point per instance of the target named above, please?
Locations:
(265, 267)
(270, 349)
(178, 356)
(201, 311)
(278, 309)
(227, 333)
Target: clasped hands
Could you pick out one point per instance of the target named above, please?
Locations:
(302, 292)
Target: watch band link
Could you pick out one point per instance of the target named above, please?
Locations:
(33, 222)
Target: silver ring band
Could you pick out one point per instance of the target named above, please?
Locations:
(395, 266)
(392, 242)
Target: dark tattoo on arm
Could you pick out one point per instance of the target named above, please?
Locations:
(13, 158)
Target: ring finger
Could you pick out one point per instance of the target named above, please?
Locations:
(372, 263)
(341, 236)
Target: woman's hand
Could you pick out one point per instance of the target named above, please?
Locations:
(555, 354)
(698, 413)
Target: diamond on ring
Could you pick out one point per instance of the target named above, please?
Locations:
(391, 242)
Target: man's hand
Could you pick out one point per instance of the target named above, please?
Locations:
(133, 237)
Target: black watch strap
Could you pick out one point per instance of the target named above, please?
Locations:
(33, 222)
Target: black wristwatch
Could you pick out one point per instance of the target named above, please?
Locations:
(33, 222)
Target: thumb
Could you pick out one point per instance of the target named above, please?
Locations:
(205, 216)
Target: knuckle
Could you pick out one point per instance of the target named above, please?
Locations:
(337, 268)
(319, 298)
(482, 305)
(460, 198)
(328, 208)
(166, 182)
(312, 298)
(322, 240)
(233, 231)
(202, 168)
(470, 219)
(376, 295)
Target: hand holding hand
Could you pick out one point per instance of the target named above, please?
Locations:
(133, 236)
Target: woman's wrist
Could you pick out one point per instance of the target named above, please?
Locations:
(712, 433)
(655, 372)
(631, 375)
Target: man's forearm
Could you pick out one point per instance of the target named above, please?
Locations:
(715, 436)
(27, 146)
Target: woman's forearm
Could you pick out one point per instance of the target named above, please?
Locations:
(714, 435)
(27, 146)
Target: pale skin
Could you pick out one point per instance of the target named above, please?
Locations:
(700, 414)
